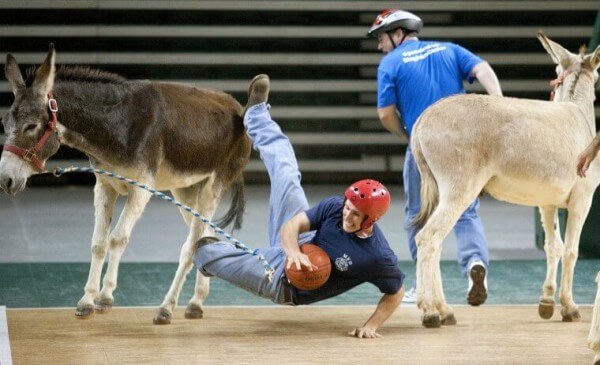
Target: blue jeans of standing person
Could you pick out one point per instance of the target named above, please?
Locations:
(241, 268)
(471, 244)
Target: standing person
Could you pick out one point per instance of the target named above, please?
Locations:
(411, 76)
(342, 226)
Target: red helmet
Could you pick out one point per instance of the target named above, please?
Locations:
(371, 198)
(392, 19)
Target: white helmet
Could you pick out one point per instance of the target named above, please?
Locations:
(392, 19)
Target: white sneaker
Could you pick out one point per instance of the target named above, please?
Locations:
(410, 296)
(477, 292)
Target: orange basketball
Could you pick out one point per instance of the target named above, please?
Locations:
(310, 280)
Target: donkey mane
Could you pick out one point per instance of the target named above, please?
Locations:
(81, 74)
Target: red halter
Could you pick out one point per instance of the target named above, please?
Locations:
(30, 155)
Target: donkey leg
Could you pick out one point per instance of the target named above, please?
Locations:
(594, 336)
(119, 238)
(189, 196)
(579, 207)
(430, 317)
(164, 314)
(446, 312)
(452, 203)
(194, 196)
(553, 246)
(201, 289)
(429, 244)
(194, 308)
(104, 201)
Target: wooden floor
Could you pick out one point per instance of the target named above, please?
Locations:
(301, 335)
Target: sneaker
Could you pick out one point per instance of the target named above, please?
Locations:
(202, 242)
(258, 90)
(206, 240)
(410, 296)
(477, 292)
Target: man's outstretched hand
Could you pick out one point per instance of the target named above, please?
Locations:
(364, 332)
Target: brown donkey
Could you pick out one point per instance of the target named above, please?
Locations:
(169, 136)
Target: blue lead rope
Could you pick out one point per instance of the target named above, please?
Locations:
(268, 269)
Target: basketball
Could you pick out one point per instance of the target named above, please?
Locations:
(310, 280)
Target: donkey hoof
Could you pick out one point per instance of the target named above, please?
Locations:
(103, 306)
(163, 316)
(546, 309)
(449, 320)
(572, 316)
(193, 311)
(431, 321)
(84, 311)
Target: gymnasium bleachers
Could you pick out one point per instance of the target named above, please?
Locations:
(323, 68)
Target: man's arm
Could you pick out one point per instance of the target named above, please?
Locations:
(386, 306)
(390, 120)
(289, 241)
(587, 156)
(487, 78)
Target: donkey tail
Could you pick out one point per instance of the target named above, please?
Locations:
(237, 207)
(429, 187)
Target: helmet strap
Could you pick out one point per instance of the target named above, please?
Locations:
(389, 34)
(364, 229)
(404, 34)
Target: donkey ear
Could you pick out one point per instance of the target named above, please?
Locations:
(13, 75)
(595, 58)
(557, 52)
(44, 75)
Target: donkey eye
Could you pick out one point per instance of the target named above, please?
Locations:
(29, 127)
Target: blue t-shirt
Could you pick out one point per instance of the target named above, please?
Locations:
(418, 73)
(354, 260)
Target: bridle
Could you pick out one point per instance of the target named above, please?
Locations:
(561, 78)
(557, 82)
(30, 154)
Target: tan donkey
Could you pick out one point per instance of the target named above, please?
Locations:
(517, 150)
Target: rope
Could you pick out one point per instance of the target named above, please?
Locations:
(268, 269)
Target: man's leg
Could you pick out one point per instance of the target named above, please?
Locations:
(239, 267)
(412, 193)
(472, 253)
(242, 268)
(287, 196)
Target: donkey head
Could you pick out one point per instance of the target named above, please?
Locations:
(30, 138)
(570, 67)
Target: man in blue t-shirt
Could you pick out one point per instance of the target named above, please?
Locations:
(342, 226)
(411, 76)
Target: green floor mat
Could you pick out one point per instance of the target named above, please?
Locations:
(32, 285)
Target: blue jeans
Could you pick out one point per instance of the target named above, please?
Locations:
(223, 259)
(471, 243)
